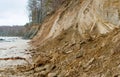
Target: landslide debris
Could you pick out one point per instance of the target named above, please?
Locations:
(81, 39)
(94, 57)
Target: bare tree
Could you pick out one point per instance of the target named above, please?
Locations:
(38, 9)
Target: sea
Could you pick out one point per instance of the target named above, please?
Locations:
(13, 47)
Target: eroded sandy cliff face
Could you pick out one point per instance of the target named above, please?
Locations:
(81, 39)
(87, 16)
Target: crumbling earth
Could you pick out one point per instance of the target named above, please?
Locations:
(81, 39)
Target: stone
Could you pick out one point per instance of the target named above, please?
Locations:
(89, 62)
(69, 51)
(52, 74)
(79, 54)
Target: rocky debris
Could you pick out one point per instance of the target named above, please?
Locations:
(81, 39)
(92, 58)
(41, 60)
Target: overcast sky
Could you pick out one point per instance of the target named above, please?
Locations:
(13, 12)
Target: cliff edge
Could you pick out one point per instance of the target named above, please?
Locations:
(81, 39)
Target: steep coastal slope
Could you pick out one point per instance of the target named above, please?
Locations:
(87, 16)
(81, 39)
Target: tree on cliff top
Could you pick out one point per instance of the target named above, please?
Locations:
(39, 9)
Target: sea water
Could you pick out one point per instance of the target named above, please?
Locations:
(13, 47)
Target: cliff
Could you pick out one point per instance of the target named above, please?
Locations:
(81, 39)
(87, 16)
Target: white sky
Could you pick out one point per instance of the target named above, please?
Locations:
(13, 12)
